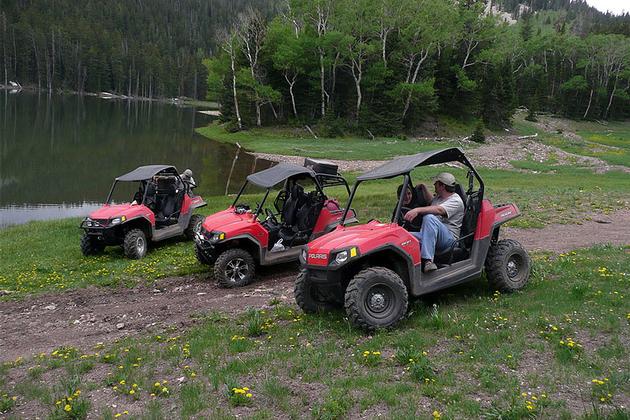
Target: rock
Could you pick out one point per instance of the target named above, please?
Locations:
(120, 325)
(51, 307)
(201, 293)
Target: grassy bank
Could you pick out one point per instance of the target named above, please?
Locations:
(557, 349)
(299, 142)
(45, 256)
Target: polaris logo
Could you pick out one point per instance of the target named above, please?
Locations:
(507, 213)
(318, 256)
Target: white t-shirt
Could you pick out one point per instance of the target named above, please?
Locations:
(454, 207)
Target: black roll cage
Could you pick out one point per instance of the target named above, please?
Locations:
(321, 181)
(407, 182)
(144, 195)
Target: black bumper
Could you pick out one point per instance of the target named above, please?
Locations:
(107, 235)
(208, 248)
(320, 275)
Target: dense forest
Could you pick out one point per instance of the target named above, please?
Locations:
(382, 66)
(379, 65)
(134, 47)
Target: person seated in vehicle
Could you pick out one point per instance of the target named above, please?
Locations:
(137, 197)
(411, 200)
(187, 178)
(442, 219)
(149, 200)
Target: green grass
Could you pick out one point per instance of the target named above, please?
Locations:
(45, 256)
(490, 355)
(295, 142)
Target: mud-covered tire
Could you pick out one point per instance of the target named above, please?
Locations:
(234, 268)
(376, 298)
(202, 256)
(508, 266)
(307, 296)
(135, 244)
(90, 245)
(196, 220)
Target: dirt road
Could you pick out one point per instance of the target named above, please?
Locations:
(84, 317)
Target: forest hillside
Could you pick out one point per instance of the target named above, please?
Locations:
(386, 66)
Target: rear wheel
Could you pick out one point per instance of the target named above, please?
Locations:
(90, 245)
(194, 225)
(376, 298)
(507, 266)
(135, 244)
(234, 268)
(308, 296)
(202, 256)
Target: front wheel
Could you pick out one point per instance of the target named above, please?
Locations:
(194, 225)
(135, 244)
(234, 268)
(507, 266)
(90, 245)
(308, 296)
(376, 298)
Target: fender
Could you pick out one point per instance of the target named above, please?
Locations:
(197, 202)
(151, 223)
(504, 213)
(407, 278)
(401, 253)
(491, 217)
(249, 238)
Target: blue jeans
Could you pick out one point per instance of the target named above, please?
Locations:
(434, 236)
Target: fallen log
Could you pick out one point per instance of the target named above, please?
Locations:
(310, 131)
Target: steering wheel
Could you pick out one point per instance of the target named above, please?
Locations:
(271, 216)
(407, 224)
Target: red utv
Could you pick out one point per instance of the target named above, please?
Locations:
(238, 239)
(162, 208)
(373, 268)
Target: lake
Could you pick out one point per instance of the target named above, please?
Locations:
(59, 154)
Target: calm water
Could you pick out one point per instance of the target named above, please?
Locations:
(60, 154)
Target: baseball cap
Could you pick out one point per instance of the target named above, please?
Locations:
(445, 178)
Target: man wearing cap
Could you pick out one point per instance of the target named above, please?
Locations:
(442, 219)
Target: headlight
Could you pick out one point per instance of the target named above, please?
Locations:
(217, 236)
(303, 255)
(118, 220)
(341, 257)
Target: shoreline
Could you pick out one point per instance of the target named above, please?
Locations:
(179, 101)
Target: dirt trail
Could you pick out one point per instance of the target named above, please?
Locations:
(84, 317)
(613, 229)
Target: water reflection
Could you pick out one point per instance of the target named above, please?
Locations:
(58, 153)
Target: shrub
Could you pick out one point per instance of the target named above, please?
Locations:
(478, 136)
